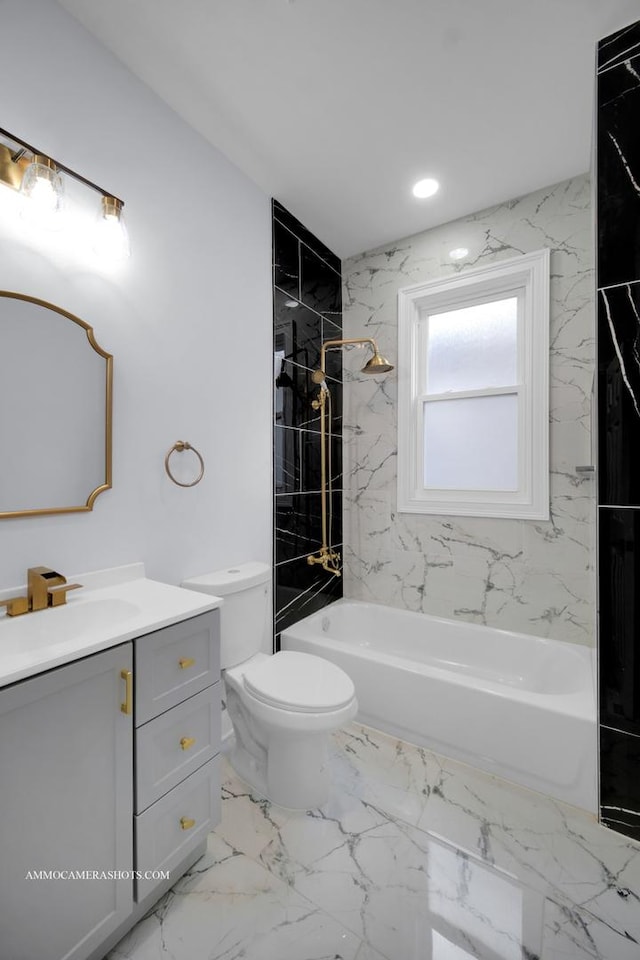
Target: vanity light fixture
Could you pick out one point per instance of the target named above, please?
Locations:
(111, 237)
(425, 188)
(42, 185)
(40, 181)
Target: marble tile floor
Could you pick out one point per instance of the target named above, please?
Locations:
(415, 857)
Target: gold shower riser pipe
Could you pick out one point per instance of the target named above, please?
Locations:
(326, 556)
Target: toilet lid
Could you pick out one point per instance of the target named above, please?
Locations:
(299, 681)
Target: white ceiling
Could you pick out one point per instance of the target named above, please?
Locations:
(335, 107)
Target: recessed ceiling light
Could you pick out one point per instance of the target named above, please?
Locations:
(459, 253)
(425, 188)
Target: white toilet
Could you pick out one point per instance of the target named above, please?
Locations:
(282, 706)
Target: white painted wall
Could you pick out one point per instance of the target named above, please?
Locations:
(187, 318)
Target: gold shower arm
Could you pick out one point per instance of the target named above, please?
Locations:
(336, 344)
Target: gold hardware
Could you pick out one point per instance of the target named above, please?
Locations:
(44, 161)
(186, 823)
(15, 606)
(127, 676)
(186, 662)
(111, 207)
(180, 446)
(39, 579)
(108, 406)
(187, 742)
(376, 364)
(327, 556)
(12, 167)
(58, 595)
(45, 588)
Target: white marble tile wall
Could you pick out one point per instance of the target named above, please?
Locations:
(531, 576)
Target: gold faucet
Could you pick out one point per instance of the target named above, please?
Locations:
(45, 588)
(329, 559)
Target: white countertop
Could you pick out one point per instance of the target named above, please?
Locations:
(114, 606)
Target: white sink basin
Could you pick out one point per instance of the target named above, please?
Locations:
(114, 606)
(63, 624)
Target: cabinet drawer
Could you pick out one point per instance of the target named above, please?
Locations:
(178, 822)
(174, 663)
(173, 745)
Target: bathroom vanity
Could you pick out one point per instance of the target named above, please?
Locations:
(109, 743)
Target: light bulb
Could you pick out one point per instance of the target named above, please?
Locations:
(42, 191)
(111, 241)
(43, 194)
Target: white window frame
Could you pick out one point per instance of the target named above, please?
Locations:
(527, 277)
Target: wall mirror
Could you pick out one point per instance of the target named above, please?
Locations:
(55, 410)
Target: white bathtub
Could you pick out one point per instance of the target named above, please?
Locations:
(517, 706)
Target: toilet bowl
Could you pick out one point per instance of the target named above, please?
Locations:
(282, 706)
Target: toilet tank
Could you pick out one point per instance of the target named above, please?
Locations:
(245, 613)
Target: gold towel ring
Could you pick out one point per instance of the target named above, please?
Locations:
(180, 446)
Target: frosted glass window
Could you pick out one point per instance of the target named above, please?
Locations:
(473, 391)
(471, 443)
(473, 347)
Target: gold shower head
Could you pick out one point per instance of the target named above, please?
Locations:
(377, 364)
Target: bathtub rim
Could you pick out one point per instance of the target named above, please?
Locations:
(580, 704)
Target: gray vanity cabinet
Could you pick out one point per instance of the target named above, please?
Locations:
(66, 796)
(177, 744)
(84, 788)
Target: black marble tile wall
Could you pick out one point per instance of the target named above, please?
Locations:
(618, 272)
(620, 784)
(301, 590)
(618, 162)
(617, 48)
(298, 230)
(619, 562)
(619, 393)
(307, 310)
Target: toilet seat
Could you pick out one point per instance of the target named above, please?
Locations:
(299, 682)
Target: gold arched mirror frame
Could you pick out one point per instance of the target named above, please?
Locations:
(54, 420)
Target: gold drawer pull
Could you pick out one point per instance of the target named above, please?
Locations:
(186, 823)
(186, 662)
(187, 742)
(126, 675)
